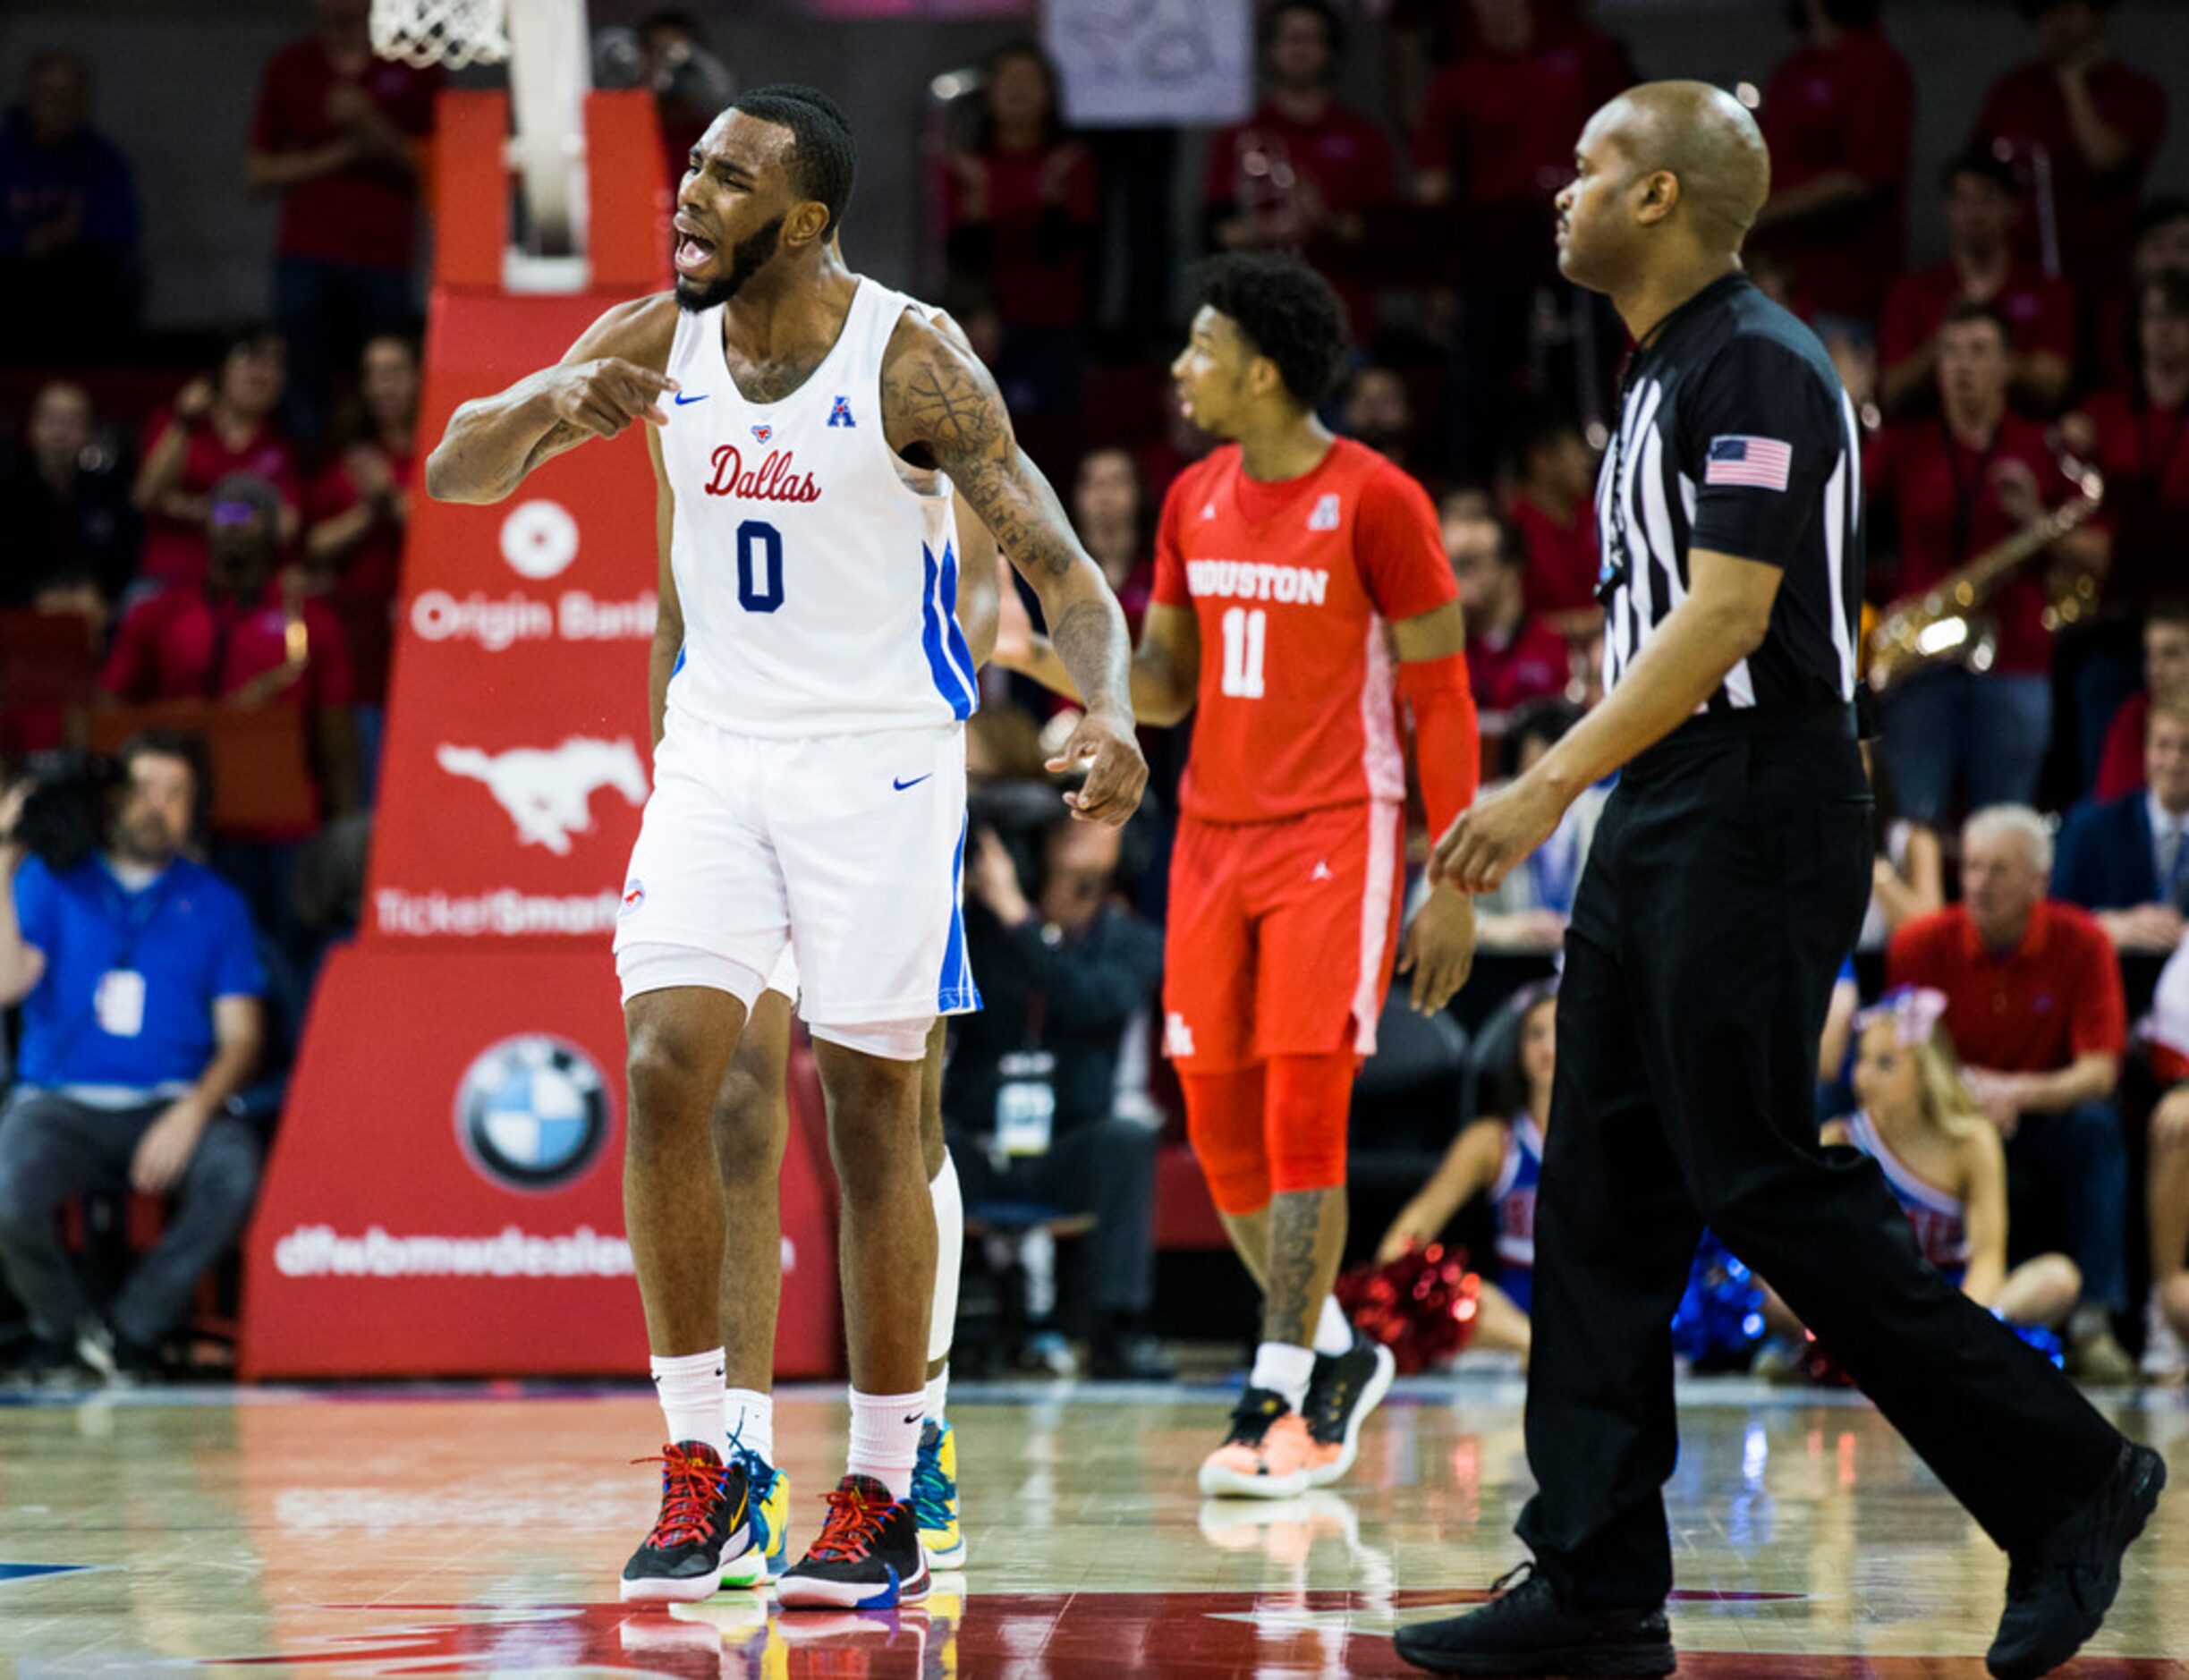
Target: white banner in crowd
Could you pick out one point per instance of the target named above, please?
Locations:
(1131, 62)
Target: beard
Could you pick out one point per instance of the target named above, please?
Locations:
(747, 257)
(145, 838)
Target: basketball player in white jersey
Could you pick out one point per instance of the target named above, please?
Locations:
(808, 429)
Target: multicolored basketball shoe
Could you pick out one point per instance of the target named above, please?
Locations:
(935, 1496)
(703, 1519)
(868, 1557)
(768, 1518)
(1266, 1454)
(1340, 1395)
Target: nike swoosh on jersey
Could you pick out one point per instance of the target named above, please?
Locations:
(916, 782)
(682, 399)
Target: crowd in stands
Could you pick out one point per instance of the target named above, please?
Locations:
(228, 538)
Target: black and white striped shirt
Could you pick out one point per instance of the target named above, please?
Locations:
(1734, 436)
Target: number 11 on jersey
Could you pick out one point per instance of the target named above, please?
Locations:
(1245, 635)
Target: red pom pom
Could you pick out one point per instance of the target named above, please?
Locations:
(1422, 1306)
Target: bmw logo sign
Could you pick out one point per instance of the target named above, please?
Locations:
(532, 1112)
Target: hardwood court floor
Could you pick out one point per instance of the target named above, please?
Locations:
(450, 1532)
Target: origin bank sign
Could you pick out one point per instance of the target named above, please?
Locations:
(538, 542)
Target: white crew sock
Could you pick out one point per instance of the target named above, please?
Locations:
(1333, 1330)
(690, 1386)
(886, 1439)
(949, 1250)
(1284, 1370)
(939, 1394)
(748, 1417)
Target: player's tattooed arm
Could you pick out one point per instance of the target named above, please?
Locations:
(940, 408)
(612, 375)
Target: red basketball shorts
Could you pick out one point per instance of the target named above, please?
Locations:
(1281, 935)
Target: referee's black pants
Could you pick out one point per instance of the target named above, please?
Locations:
(1723, 888)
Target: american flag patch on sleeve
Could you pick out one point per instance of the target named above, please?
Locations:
(1761, 463)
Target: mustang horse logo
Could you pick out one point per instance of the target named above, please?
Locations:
(549, 792)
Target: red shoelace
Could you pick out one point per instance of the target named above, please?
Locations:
(690, 1486)
(854, 1519)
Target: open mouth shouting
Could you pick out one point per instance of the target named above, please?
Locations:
(695, 249)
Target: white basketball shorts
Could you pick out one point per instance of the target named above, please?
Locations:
(849, 848)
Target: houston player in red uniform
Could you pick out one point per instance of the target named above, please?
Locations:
(1312, 572)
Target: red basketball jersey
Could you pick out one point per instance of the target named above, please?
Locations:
(1293, 584)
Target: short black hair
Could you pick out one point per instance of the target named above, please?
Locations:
(1287, 312)
(1534, 425)
(1979, 309)
(672, 18)
(248, 337)
(1547, 719)
(1333, 25)
(1985, 164)
(823, 160)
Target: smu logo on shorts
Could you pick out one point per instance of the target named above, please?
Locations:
(1761, 463)
(532, 1112)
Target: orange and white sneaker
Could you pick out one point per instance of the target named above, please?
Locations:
(1344, 1391)
(1264, 1456)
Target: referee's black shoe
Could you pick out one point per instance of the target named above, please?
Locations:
(1524, 1630)
(2058, 1591)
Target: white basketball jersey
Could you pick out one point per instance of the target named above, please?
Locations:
(817, 573)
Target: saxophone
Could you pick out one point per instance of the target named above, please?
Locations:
(1947, 624)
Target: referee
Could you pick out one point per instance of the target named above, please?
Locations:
(1726, 885)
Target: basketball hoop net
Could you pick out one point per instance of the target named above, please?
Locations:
(450, 33)
(549, 72)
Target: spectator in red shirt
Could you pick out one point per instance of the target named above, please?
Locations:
(244, 637)
(1982, 204)
(2166, 682)
(1377, 410)
(1302, 171)
(1839, 117)
(337, 135)
(2035, 1008)
(1496, 142)
(2137, 434)
(1110, 514)
(1554, 504)
(357, 512)
(1962, 484)
(1020, 210)
(216, 426)
(2083, 129)
(1513, 658)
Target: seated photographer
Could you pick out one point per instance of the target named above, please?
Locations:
(140, 991)
(1028, 1103)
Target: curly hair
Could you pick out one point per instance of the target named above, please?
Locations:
(1287, 312)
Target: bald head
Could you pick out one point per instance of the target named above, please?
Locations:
(1706, 139)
